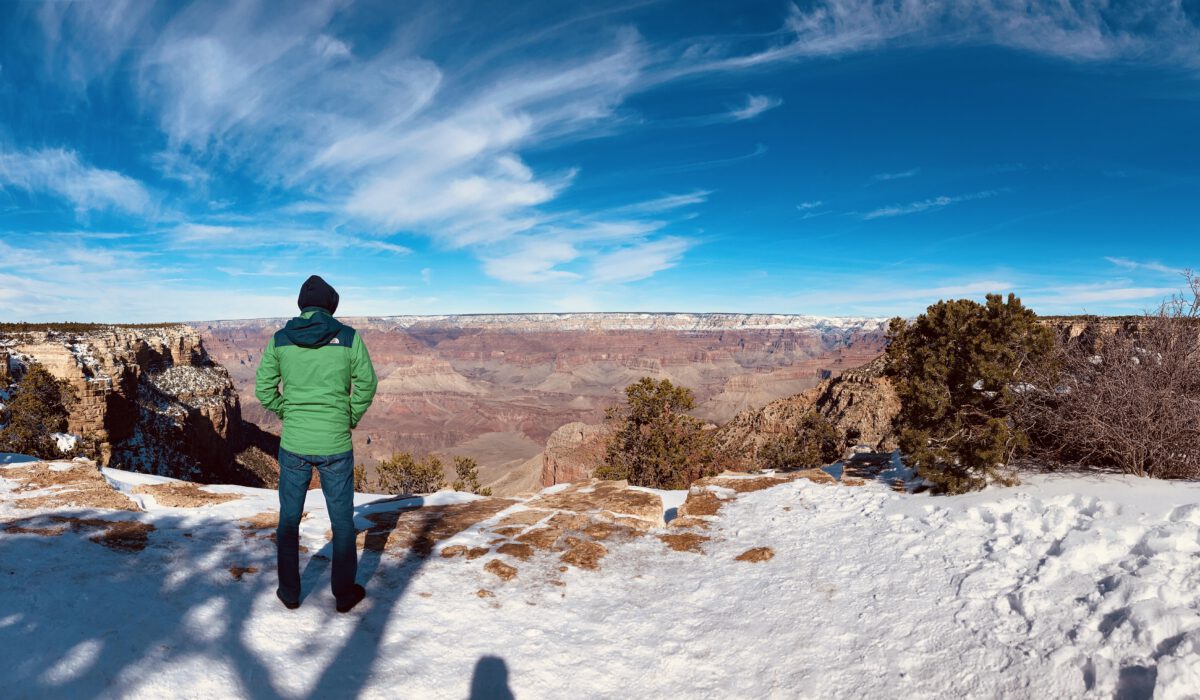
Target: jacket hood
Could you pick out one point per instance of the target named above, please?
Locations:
(313, 332)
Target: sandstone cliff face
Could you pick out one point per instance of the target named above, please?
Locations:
(861, 403)
(149, 399)
(573, 451)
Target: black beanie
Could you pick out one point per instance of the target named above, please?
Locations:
(317, 292)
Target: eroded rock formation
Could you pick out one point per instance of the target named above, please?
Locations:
(860, 403)
(149, 399)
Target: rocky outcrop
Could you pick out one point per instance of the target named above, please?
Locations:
(148, 399)
(860, 403)
(573, 452)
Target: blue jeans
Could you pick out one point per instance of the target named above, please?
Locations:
(337, 483)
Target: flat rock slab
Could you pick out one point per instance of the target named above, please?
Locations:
(610, 500)
(420, 529)
(65, 484)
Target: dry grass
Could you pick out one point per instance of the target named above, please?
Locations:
(516, 550)
(583, 553)
(685, 542)
(80, 486)
(701, 503)
(237, 572)
(184, 495)
(119, 535)
(756, 555)
(501, 570)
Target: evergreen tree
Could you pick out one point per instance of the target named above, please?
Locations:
(815, 442)
(467, 472)
(954, 368)
(655, 442)
(38, 408)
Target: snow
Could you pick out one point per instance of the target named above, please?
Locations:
(65, 441)
(1066, 586)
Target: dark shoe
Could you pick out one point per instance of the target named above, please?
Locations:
(287, 604)
(355, 598)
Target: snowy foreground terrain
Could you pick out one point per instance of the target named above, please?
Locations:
(1081, 586)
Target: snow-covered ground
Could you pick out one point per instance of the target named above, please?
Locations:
(1081, 586)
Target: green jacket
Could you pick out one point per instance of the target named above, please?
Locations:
(328, 382)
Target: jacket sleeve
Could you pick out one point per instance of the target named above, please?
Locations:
(362, 380)
(266, 381)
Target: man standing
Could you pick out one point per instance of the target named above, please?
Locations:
(328, 384)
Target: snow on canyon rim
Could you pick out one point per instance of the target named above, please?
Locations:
(1066, 586)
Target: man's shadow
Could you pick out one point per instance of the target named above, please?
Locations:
(490, 680)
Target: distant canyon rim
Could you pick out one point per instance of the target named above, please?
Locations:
(495, 386)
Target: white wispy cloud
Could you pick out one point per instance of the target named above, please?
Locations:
(61, 173)
(224, 236)
(755, 105)
(1149, 266)
(533, 261)
(884, 177)
(1156, 31)
(925, 205)
(639, 261)
(664, 203)
(805, 206)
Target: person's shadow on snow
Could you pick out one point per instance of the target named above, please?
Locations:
(490, 681)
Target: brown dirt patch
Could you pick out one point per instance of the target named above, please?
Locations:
(454, 550)
(517, 550)
(700, 503)
(120, 535)
(485, 593)
(503, 571)
(583, 553)
(476, 552)
(757, 554)
(237, 572)
(509, 531)
(852, 481)
(542, 538)
(420, 529)
(685, 542)
(125, 536)
(184, 495)
(82, 485)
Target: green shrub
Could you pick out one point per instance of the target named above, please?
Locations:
(38, 408)
(954, 367)
(654, 442)
(815, 442)
(467, 472)
(401, 474)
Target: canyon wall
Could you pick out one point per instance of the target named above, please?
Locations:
(148, 399)
(495, 387)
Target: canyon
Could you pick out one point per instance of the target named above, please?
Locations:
(496, 387)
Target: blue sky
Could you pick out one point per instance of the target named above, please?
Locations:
(198, 161)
